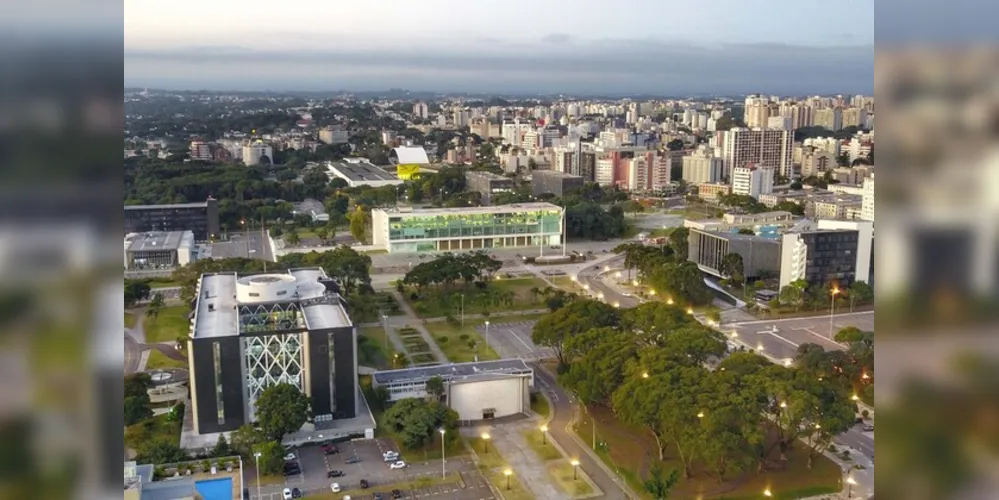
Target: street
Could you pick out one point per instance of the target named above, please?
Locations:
(251, 244)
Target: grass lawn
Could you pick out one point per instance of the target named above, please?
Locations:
(455, 341)
(488, 455)
(421, 482)
(543, 447)
(158, 360)
(562, 472)
(151, 430)
(539, 405)
(695, 213)
(130, 319)
(631, 453)
(516, 491)
(170, 323)
(374, 349)
(438, 303)
(155, 283)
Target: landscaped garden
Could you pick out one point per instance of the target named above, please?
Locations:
(167, 324)
(459, 344)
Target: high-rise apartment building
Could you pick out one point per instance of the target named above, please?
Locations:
(201, 151)
(257, 153)
(702, 167)
(854, 117)
(752, 180)
(421, 110)
(334, 135)
(762, 147)
(830, 118)
(867, 203)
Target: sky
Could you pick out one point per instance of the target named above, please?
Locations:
(662, 47)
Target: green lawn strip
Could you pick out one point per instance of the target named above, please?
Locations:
(516, 491)
(155, 283)
(488, 455)
(159, 361)
(457, 342)
(131, 319)
(543, 447)
(562, 472)
(539, 405)
(373, 348)
(420, 482)
(625, 450)
(170, 323)
(422, 358)
(437, 302)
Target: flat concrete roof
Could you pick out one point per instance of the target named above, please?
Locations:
(201, 204)
(511, 209)
(158, 240)
(454, 371)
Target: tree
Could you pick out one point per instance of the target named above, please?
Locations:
(292, 237)
(222, 448)
(747, 231)
(322, 233)
(243, 439)
(416, 421)
(275, 231)
(675, 145)
(271, 458)
(732, 266)
(556, 328)
(135, 290)
(359, 219)
(137, 409)
(435, 387)
(790, 206)
(678, 241)
(599, 370)
(659, 485)
(696, 342)
(651, 322)
(860, 291)
(681, 281)
(161, 451)
(281, 409)
(791, 294)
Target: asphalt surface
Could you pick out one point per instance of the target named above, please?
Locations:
(558, 427)
(250, 244)
(513, 340)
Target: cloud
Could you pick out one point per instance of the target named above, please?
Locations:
(558, 38)
(591, 66)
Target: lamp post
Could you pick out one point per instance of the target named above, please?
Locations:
(544, 435)
(850, 481)
(443, 467)
(257, 457)
(485, 442)
(463, 310)
(507, 473)
(767, 493)
(832, 307)
(575, 469)
(487, 334)
(385, 330)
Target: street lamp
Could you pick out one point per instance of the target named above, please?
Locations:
(507, 473)
(669, 300)
(652, 292)
(832, 307)
(700, 414)
(855, 398)
(257, 457)
(487, 333)
(485, 441)
(850, 481)
(645, 374)
(575, 469)
(767, 493)
(690, 310)
(586, 286)
(617, 304)
(443, 469)
(544, 435)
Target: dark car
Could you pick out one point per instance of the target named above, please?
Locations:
(334, 473)
(396, 494)
(376, 496)
(292, 472)
(353, 459)
(296, 493)
(364, 484)
(329, 448)
(246, 494)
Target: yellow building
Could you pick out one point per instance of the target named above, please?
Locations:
(409, 160)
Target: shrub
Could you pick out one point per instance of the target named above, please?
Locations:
(463, 337)
(866, 414)
(471, 344)
(442, 340)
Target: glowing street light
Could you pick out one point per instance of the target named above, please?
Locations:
(507, 473)
(617, 274)
(485, 441)
(575, 469)
(783, 404)
(700, 414)
(669, 301)
(690, 310)
(850, 481)
(600, 295)
(767, 493)
(617, 304)
(645, 374)
(634, 282)
(652, 292)
(855, 398)
(544, 435)
(586, 287)
(787, 362)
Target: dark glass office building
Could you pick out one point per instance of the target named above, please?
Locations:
(200, 218)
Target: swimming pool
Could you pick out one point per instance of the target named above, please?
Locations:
(215, 489)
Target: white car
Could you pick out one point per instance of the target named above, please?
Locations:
(390, 456)
(335, 487)
(286, 494)
(397, 465)
(289, 457)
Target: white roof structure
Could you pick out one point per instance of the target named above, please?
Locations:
(411, 155)
(505, 209)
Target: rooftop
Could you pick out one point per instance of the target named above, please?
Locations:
(487, 175)
(201, 204)
(360, 171)
(158, 240)
(411, 155)
(554, 173)
(512, 208)
(455, 371)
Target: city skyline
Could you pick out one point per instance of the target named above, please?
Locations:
(502, 49)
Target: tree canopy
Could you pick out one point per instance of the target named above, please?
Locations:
(281, 409)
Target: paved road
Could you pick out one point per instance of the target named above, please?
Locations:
(243, 244)
(792, 332)
(562, 411)
(591, 276)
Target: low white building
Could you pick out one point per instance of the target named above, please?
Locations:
(361, 172)
(752, 180)
(159, 250)
(476, 391)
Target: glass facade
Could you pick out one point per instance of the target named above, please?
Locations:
(271, 360)
(463, 231)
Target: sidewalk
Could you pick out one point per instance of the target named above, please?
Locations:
(413, 321)
(527, 467)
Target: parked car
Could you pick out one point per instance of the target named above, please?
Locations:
(397, 465)
(296, 493)
(335, 487)
(286, 494)
(289, 457)
(353, 459)
(376, 496)
(396, 494)
(292, 472)
(364, 484)
(869, 427)
(330, 449)
(334, 473)
(390, 456)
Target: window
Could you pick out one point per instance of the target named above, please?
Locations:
(217, 360)
(281, 292)
(254, 294)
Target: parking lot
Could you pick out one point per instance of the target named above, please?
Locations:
(371, 467)
(513, 340)
(791, 333)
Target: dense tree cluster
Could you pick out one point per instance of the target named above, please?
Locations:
(802, 294)
(448, 269)
(416, 422)
(281, 409)
(649, 365)
(667, 271)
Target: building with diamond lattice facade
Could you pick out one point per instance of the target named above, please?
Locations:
(251, 332)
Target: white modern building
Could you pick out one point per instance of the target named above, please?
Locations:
(159, 250)
(258, 152)
(334, 135)
(867, 203)
(476, 391)
(838, 251)
(518, 225)
(361, 172)
(752, 180)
